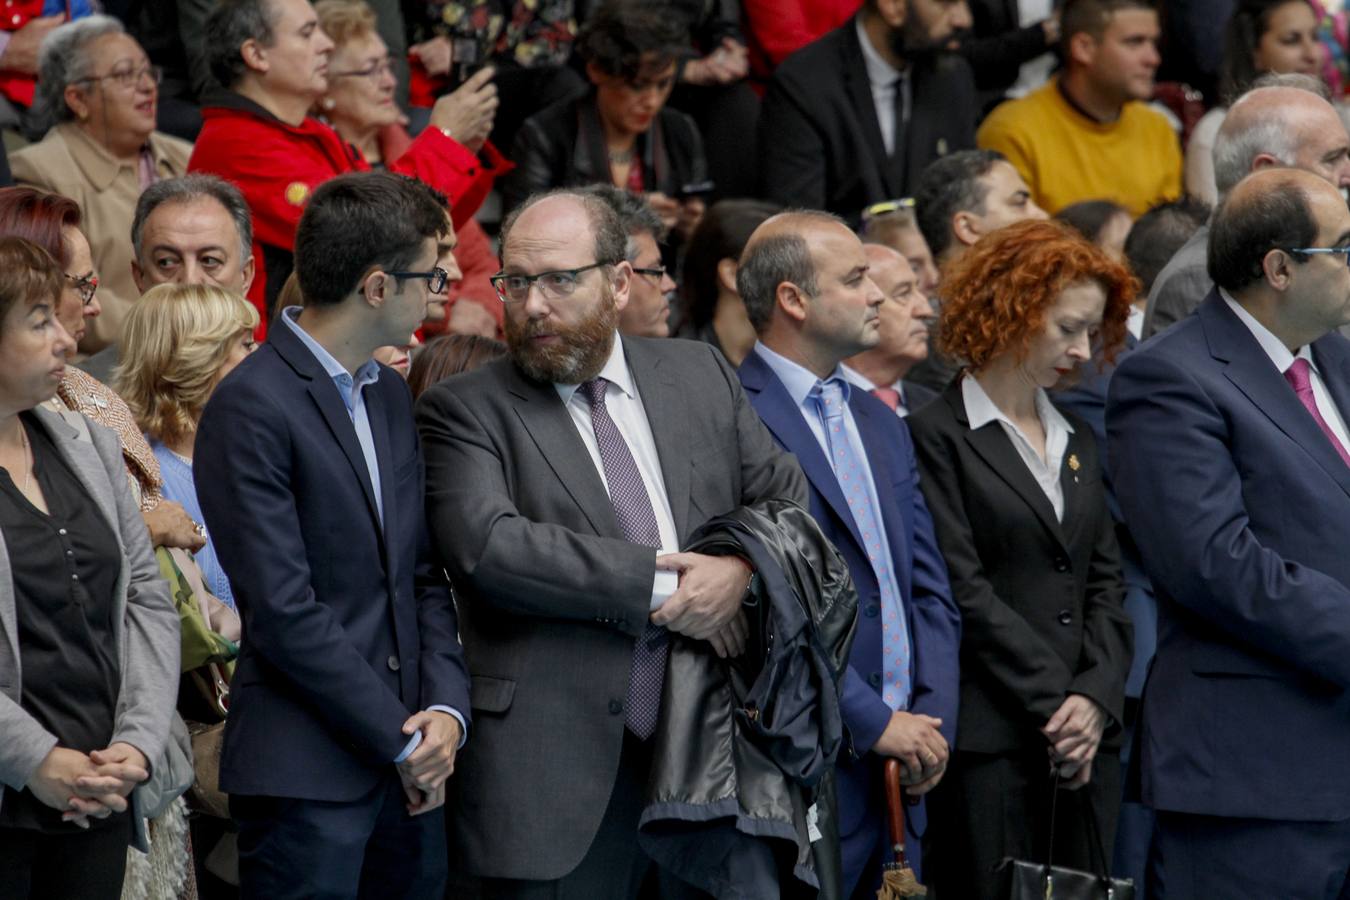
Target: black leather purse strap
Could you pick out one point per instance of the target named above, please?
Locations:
(1100, 866)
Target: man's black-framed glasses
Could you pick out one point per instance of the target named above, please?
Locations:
(654, 272)
(86, 285)
(555, 285)
(1344, 251)
(437, 278)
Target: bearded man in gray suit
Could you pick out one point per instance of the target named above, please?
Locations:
(561, 483)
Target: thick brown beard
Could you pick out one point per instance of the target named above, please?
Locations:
(579, 357)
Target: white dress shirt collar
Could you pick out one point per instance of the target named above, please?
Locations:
(1279, 354)
(879, 72)
(798, 379)
(981, 410)
(615, 371)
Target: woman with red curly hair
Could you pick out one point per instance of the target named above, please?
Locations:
(1014, 488)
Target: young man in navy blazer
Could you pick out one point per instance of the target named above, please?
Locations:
(350, 697)
(804, 279)
(1231, 461)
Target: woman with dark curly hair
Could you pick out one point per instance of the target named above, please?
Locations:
(1021, 517)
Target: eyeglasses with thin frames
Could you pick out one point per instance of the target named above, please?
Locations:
(555, 285)
(1344, 251)
(129, 78)
(86, 285)
(436, 279)
(374, 71)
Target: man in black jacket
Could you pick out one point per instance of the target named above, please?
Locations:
(853, 118)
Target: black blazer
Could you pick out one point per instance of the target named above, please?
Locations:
(562, 146)
(819, 142)
(1040, 600)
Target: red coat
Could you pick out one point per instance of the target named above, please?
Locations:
(18, 87)
(277, 166)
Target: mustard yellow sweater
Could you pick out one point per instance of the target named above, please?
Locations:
(1066, 157)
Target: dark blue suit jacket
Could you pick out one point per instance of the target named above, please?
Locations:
(1241, 509)
(933, 619)
(347, 629)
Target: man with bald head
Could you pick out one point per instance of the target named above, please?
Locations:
(1231, 461)
(562, 482)
(1284, 121)
(902, 336)
(808, 289)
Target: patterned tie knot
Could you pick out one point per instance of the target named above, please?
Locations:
(594, 392)
(1299, 376)
(830, 395)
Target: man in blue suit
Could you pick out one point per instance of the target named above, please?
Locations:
(804, 280)
(1231, 462)
(350, 696)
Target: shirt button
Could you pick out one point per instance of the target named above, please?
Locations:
(874, 679)
(615, 706)
(61, 531)
(392, 662)
(1065, 617)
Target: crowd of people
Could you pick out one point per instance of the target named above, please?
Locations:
(634, 449)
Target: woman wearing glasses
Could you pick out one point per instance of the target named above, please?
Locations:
(359, 104)
(97, 88)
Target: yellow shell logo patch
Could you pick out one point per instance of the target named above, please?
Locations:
(297, 192)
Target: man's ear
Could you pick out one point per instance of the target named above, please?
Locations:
(139, 277)
(966, 227)
(621, 282)
(255, 56)
(248, 275)
(1265, 161)
(376, 287)
(1278, 268)
(1083, 48)
(726, 274)
(792, 300)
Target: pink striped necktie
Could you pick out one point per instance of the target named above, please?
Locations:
(1299, 377)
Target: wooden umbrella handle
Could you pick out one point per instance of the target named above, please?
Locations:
(895, 806)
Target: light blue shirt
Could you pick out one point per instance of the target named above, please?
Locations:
(353, 395)
(800, 382)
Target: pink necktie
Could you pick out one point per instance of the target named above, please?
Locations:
(1300, 379)
(889, 396)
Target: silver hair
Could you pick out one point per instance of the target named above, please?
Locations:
(1234, 152)
(63, 60)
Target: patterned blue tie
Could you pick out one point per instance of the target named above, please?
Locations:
(844, 458)
(637, 521)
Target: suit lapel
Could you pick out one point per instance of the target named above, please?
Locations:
(871, 432)
(329, 401)
(1071, 474)
(784, 420)
(379, 432)
(859, 88)
(1250, 370)
(543, 415)
(668, 415)
(994, 446)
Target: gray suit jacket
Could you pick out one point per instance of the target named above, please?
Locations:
(550, 595)
(145, 621)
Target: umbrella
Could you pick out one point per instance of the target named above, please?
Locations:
(897, 878)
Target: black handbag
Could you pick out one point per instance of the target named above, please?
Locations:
(1022, 880)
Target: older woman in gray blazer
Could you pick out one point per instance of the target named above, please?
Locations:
(89, 638)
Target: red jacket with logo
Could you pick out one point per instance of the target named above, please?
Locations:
(277, 166)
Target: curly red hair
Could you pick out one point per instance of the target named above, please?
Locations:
(995, 297)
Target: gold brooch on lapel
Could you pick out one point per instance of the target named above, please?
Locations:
(1074, 465)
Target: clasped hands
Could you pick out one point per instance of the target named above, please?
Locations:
(425, 771)
(1074, 733)
(915, 741)
(89, 786)
(707, 604)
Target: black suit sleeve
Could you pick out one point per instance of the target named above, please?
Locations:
(792, 169)
(994, 635)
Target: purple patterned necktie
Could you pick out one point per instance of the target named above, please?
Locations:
(637, 521)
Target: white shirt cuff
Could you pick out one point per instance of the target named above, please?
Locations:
(663, 585)
(416, 739)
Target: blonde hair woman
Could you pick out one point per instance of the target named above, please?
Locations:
(180, 340)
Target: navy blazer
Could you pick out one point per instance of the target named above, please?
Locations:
(1240, 507)
(933, 619)
(348, 628)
